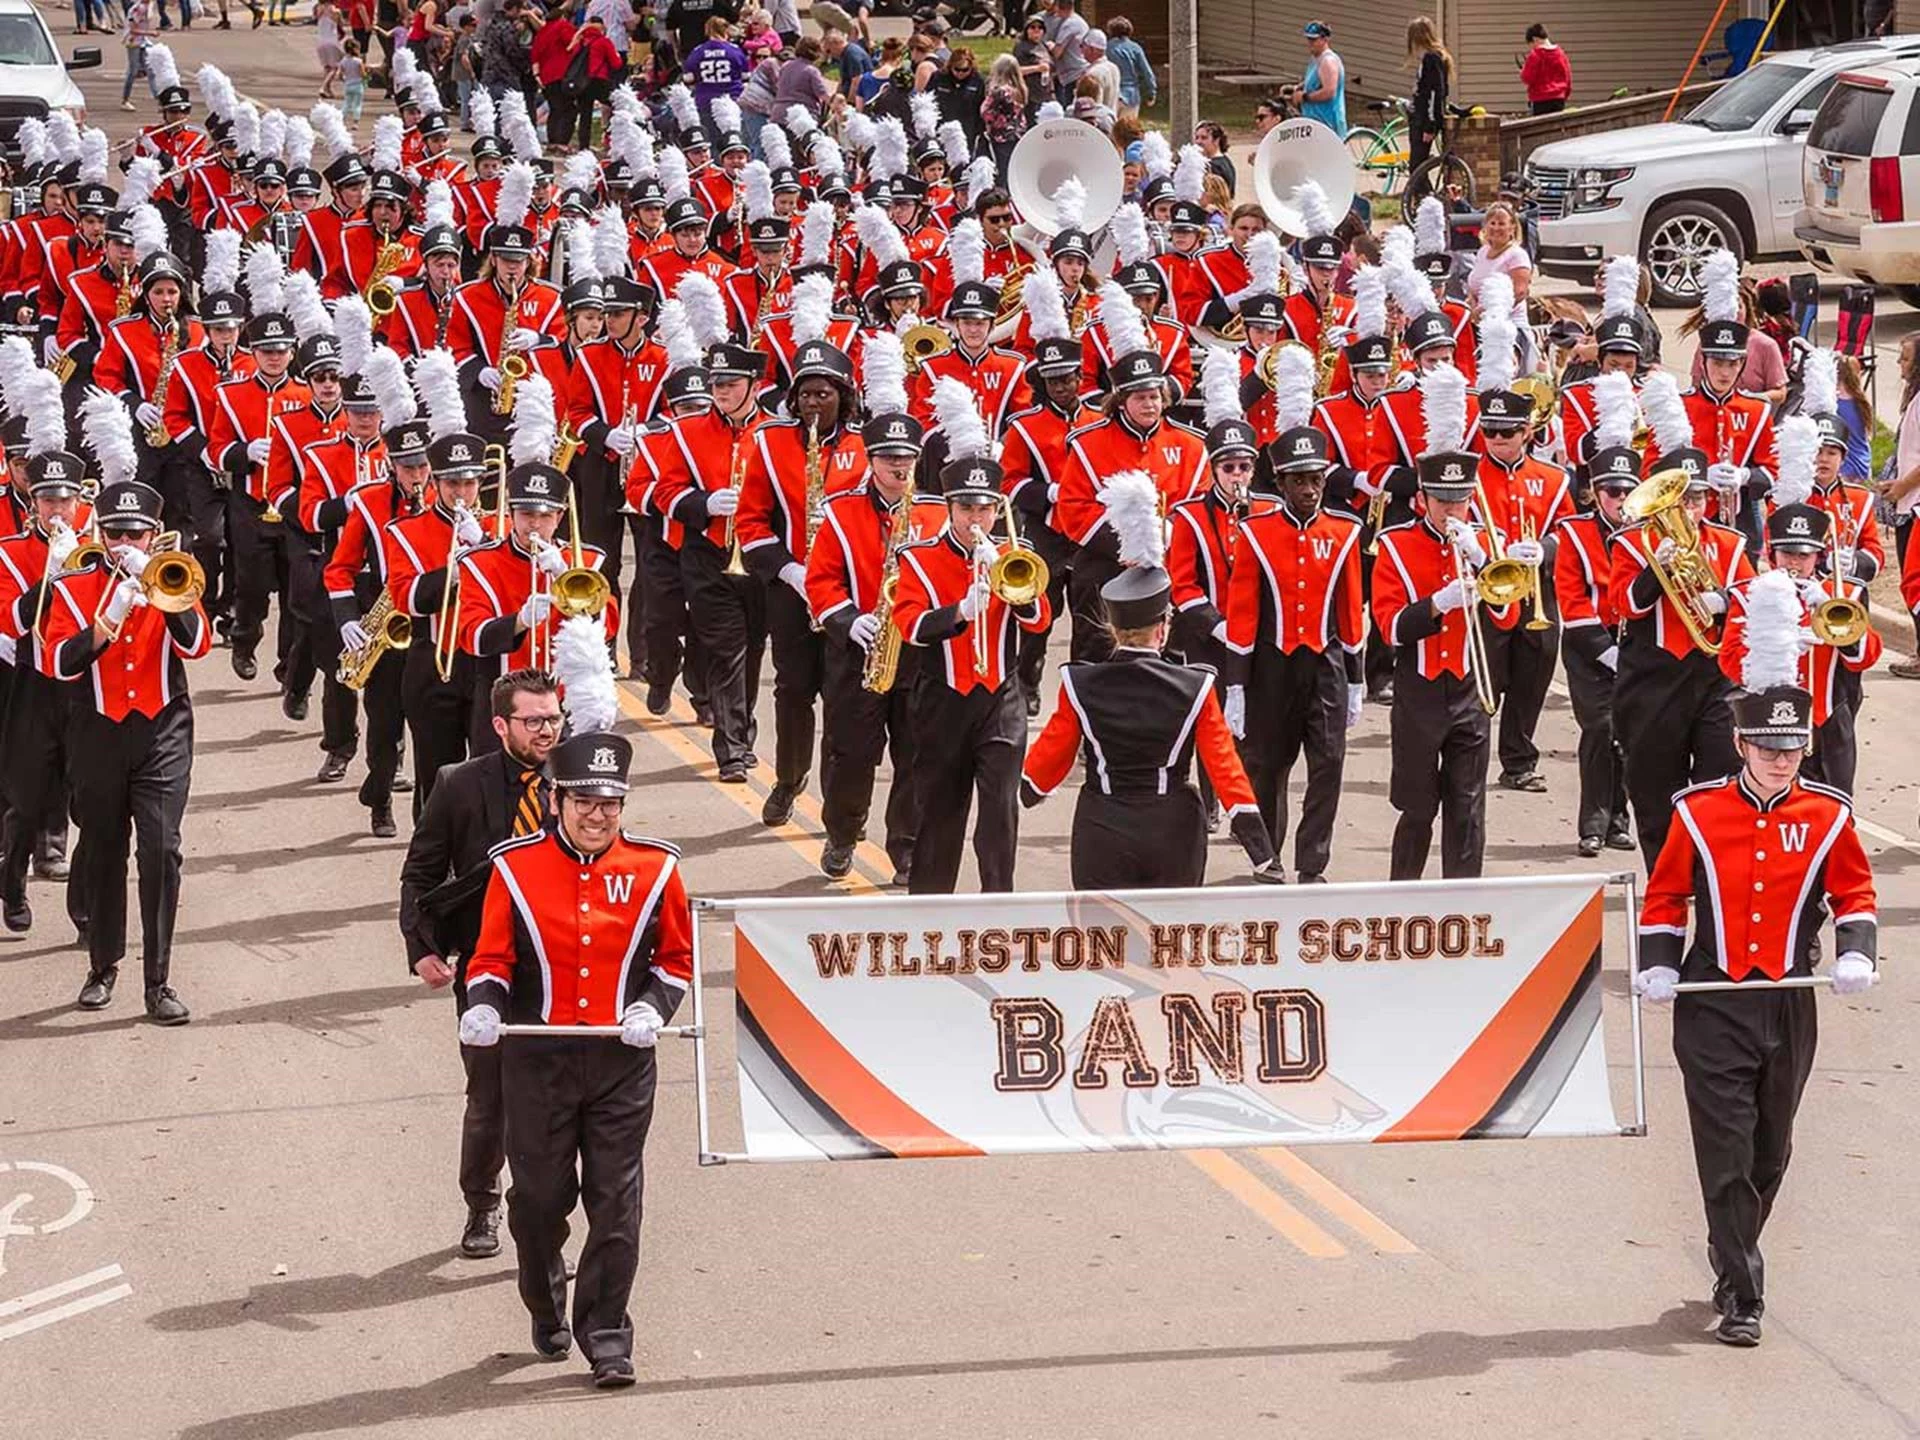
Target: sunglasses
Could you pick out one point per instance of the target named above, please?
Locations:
(1002, 218)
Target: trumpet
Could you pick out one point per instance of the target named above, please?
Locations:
(1534, 589)
(172, 583)
(1656, 502)
(736, 562)
(1016, 578)
(388, 628)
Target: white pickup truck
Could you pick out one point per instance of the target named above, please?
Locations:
(1727, 174)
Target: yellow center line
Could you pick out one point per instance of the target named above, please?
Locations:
(1254, 1193)
(1337, 1202)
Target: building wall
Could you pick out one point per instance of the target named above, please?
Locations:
(1263, 37)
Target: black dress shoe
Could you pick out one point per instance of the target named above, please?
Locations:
(750, 760)
(481, 1239)
(902, 876)
(244, 666)
(51, 867)
(1381, 694)
(403, 784)
(1589, 845)
(554, 1344)
(382, 823)
(97, 993)
(1530, 781)
(293, 706)
(17, 913)
(659, 698)
(836, 862)
(1740, 1325)
(703, 714)
(166, 1008)
(1619, 840)
(779, 807)
(733, 773)
(333, 768)
(613, 1373)
(1313, 877)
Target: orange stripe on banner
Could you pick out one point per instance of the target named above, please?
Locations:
(843, 1084)
(1469, 1091)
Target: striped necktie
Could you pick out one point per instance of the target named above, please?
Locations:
(526, 815)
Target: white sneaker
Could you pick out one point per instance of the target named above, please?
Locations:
(126, 105)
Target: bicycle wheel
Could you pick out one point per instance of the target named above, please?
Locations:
(1445, 175)
(1379, 159)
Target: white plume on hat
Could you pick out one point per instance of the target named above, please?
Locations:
(817, 225)
(967, 248)
(1820, 383)
(34, 146)
(64, 136)
(38, 392)
(628, 143)
(1131, 242)
(674, 183)
(384, 153)
(1369, 302)
(684, 351)
(812, 308)
(799, 122)
(1190, 175)
(686, 115)
(584, 670)
(612, 254)
(222, 268)
(1498, 337)
(331, 126)
(827, 156)
(625, 102)
(163, 71)
(438, 209)
(757, 180)
(1796, 445)
(883, 367)
(1773, 633)
(246, 127)
(726, 114)
(1156, 155)
(273, 134)
(536, 425)
(581, 171)
(953, 145)
(266, 279)
(305, 308)
(516, 194)
(353, 327)
(889, 150)
(147, 231)
(774, 148)
(959, 420)
(108, 426)
(981, 176)
(1666, 412)
(1409, 288)
(706, 311)
(1120, 318)
(437, 377)
(1443, 405)
(215, 88)
(300, 142)
(1070, 200)
(1046, 306)
(480, 111)
(1398, 246)
(1315, 215)
(1048, 112)
(1430, 229)
(1220, 385)
(516, 126)
(93, 156)
(1263, 269)
(1616, 410)
(926, 115)
(1293, 381)
(1620, 287)
(1720, 287)
(143, 178)
(879, 234)
(386, 376)
(17, 360)
(862, 134)
(1132, 503)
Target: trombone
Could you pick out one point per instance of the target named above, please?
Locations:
(446, 627)
(172, 582)
(1839, 620)
(1476, 640)
(1016, 578)
(578, 590)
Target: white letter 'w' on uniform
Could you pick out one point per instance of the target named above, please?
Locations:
(620, 887)
(1793, 838)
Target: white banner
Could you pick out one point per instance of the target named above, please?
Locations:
(1008, 1024)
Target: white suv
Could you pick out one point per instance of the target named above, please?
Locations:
(1726, 175)
(1862, 175)
(33, 76)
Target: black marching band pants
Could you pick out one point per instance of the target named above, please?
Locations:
(659, 628)
(857, 728)
(436, 712)
(307, 598)
(1603, 787)
(1521, 662)
(799, 658)
(260, 572)
(1675, 724)
(963, 744)
(729, 613)
(1297, 699)
(35, 778)
(1440, 737)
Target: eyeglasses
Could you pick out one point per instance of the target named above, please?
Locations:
(538, 722)
(611, 806)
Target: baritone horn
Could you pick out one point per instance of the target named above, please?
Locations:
(922, 342)
(1656, 504)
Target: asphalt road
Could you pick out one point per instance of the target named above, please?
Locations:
(266, 1248)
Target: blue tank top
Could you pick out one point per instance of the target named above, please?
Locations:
(1331, 113)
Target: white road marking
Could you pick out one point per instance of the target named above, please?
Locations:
(43, 1318)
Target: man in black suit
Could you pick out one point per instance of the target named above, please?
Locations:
(475, 805)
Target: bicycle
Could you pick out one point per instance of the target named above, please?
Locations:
(1444, 173)
(1380, 152)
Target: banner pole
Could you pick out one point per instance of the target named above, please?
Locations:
(700, 1044)
(1791, 982)
(1632, 884)
(605, 1032)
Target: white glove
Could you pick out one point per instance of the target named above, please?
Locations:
(985, 552)
(1806, 638)
(1656, 986)
(550, 560)
(9, 649)
(61, 545)
(640, 1026)
(1610, 657)
(148, 414)
(1843, 563)
(1053, 493)
(1356, 697)
(1450, 596)
(131, 559)
(480, 1026)
(1853, 973)
(1667, 551)
(524, 339)
(466, 530)
(126, 595)
(723, 502)
(1811, 591)
(489, 378)
(1726, 477)
(53, 351)
(1527, 552)
(863, 630)
(1364, 482)
(258, 450)
(621, 441)
(535, 609)
(1713, 602)
(353, 636)
(1460, 534)
(1219, 632)
(794, 574)
(1236, 708)
(973, 604)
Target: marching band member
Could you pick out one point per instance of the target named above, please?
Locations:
(88, 293)
(1140, 721)
(1590, 649)
(860, 544)
(134, 352)
(993, 375)
(1763, 855)
(1033, 455)
(686, 221)
(793, 467)
(133, 721)
(1291, 631)
(1203, 540)
(193, 487)
(1188, 233)
(1669, 697)
(482, 333)
(320, 249)
(773, 333)
(475, 806)
(1433, 258)
(1070, 257)
(1136, 274)
(1263, 320)
(1315, 306)
(1424, 599)
(379, 244)
(969, 725)
(763, 283)
(1224, 267)
(1136, 435)
(422, 311)
(578, 1109)
(1858, 553)
(1617, 345)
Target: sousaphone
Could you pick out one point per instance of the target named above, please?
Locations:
(1291, 154)
(1049, 155)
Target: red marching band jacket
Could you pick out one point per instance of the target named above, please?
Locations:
(418, 548)
(420, 320)
(697, 454)
(241, 413)
(997, 379)
(611, 386)
(190, 404)
(143, 670)
(1641, 602)
(1416, 562)
(362, 546)
(129, 362)
(1762, 877)
(1850, 507)
(1169, 342)
(1033, 458)
(479, 318)
(772, 519)
(1582, 583)
(935, 575)
(1295, 585)
(495, 580)
(850, 552)
(1820, 666)
(1173, 456)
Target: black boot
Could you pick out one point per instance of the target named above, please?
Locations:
(166, 1008)
(481, 1239)
(244, 665)
(382, 823)
(293, 705)
(779, 807)
(97, 993)
(17, 913)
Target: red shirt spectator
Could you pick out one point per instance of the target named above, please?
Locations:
(604, 60)
(1546, 72)
(552, 51)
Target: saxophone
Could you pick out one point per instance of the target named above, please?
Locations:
(765, 311)
(1326, 358)
(387, 629)
(379, 292)
(1377, 506)
(513, 365)
(816, 484)
(157, 436)
(442, 313)
(883, 660)
(123, 298)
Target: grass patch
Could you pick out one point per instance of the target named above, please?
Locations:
(1884, 440)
